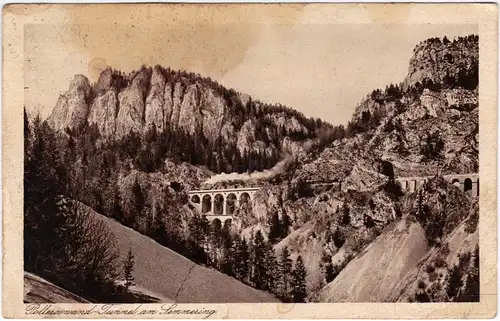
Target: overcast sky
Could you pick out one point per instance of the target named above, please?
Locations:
(320, 69)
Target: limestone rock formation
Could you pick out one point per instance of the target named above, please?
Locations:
(72, 108)
(132, 104)
(103, 113)
(155, 101)
(437, 59)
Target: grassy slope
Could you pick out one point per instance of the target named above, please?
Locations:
(172, 277)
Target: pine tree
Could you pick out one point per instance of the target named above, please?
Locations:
(237, 256)
(44, 182)
(330, 273)
(327, 267)
(259, 264)
(285, 225)
(135, 205)
(196, 238)
(274, 228)
(271, 270)
(215, 244)
(245, 261)
(228, 250)
(346, 217)
(338, 238)
(285, 266)
(128, 268)
(299, 292)
(471, 289)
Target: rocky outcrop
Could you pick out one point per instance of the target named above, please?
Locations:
(131, 114)
(442, 60)
(103, 113)
(72, 108)
(155, 101)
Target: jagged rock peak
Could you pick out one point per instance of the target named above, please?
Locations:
(71, 109)
(442, 60)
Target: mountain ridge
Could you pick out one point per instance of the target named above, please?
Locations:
(225, 130)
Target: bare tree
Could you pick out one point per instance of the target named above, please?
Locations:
(92, 254)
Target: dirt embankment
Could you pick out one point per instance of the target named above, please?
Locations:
(374, 274)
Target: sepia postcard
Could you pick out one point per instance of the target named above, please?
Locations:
(257, 161)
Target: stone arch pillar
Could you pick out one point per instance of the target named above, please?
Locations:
(412, 186)
(237, 201)
(224, 204)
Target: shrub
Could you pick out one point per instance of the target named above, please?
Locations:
(429, 269)
(433, 147)
(472, 222)
(440, 262)
(394, 189)
(338, 238)
(421, 296)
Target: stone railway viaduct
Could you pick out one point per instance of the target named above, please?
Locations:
(221, 203)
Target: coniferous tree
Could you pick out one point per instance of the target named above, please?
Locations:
(471, 288)
(215, 244)
(346, 217)
(258, 261)
(327, 266)
(274, 228)
(285, 225)
(44, 182)
(285, 270)
(228, 251)
(330, 272)
(271, 270)
(237, 257)
(128, 268)
(195, 240)
(299, 291)
(135, 205)
(244, 252)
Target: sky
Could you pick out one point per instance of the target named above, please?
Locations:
(322, 67)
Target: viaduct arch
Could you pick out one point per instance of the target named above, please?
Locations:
(220, 203)
(469, 183)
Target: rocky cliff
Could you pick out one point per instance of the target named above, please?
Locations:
(119, 104)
